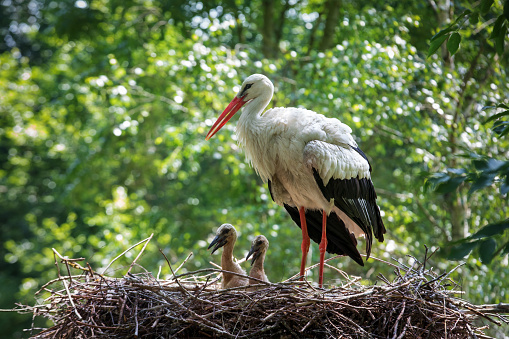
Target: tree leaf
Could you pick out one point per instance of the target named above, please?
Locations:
(436, 179)
(458, 252)
(450, 185)
(444, 31)
(504, 189)
(454, 43)
(497, 27)
(484, 180)
(491, 230)
(506, 249)
(480, 164)
(434, 45)
(474, 18)
(504, 131)
(499, 126)
(486, 250)
(500, 40)
(488, 107)
(462, 15)
(496, 116)
(485, 6)
(458, 171)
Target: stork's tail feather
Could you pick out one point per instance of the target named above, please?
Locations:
(339, 240)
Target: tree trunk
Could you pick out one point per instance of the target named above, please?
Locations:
(455, 204)
(269, 46)
(332, 8)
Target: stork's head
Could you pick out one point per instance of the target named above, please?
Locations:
(225, 233)
(260, 245)
(255, 86)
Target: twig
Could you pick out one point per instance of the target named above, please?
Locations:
(70, 299)
(139, 254)
(185, 260)
(127, 250)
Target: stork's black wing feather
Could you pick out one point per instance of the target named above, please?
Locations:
(357, 199)
(339, 240)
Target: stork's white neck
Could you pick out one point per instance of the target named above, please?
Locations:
(252, 133)
(249, 121)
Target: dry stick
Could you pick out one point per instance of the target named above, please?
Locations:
(350, 321)
(70, 299)
(402, 335)
(397, 320)
(56, 280)
(139, 254)
(311, 267)
(136, 314)
(127, 250)
(185, 260)
(482, 315)
(56, 263)
(454, 269)
(343, 273)
(382, 261)
(445, 317)
(306, 326)
(214, 264)
(178, 282)
(495, 308)
(196, 315)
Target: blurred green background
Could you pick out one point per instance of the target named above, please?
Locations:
(104, 107)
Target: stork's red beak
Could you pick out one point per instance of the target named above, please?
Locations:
(227, 114)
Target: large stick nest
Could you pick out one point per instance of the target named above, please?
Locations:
(417, 303)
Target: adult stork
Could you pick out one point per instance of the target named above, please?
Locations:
(313, 167)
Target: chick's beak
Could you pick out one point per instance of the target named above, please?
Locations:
(219, 241)
(255, 252)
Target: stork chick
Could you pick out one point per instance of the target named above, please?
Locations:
(258, 249)
(226, 236)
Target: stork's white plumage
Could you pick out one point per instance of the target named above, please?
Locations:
(313, 167)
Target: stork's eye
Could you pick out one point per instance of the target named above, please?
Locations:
(248, 86)
(259, 242)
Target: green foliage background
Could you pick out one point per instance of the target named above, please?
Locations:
(104, 106)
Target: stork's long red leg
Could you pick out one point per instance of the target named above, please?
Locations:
(305, 241)
(322, 247)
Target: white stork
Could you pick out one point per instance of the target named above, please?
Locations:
(226, 236)
(313, 167)
(259, 248)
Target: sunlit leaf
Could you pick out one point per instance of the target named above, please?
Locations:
(500, 127)
(443, 32)
(496, 116)
(453, 43)
(435, 44)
